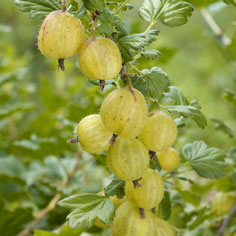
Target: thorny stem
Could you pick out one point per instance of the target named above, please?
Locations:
(121, 7)
(136, 183)
(113, 139)
(52, 204)
(223, 39)
(142, 213)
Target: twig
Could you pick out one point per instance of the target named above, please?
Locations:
(223, 39)
(52, 204)
(227, 221)
(121, 7)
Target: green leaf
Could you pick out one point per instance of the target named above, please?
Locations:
(184, 108)
(116, 187)
(93, 5)
(190, 197)
(10, 109)
(88, 207)
(232, 154)
(230, 96)
(164, 207)
(170, 12)
(207, 162)
(38, 9)
(152, 54)
(39, 232)
(13, 75)
(109, 17)
(68, 231)
(233, 2)
(202, 3)
(157, 82)
(105, 29)
(219, 125)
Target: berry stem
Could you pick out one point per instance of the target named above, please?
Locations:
(73, 140)
(136, 183)
(142, 213)
(61, 64)
(101, 85)
(152, 155)
(113, 139)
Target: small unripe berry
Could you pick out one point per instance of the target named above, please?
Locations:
(124, 112)
(60, 35)
(222, 203)
(100, 59)
(128, 222)
(127, 159)
(169, 159)
(92, 134)
(160, 132)
(149, 194)
(163, 228)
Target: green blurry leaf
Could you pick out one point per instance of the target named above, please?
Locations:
(10, 109)
(232, 154)
(230, 96)
(190, 197)
(116, 187)
(38, 9)
(93, 5)
(11, 223)
(39, 232)
(183, 107)
(157, 82)
(202, 3)
(13, 75)
(207, 162)
(88, 207)
(27, 144)
(170, 12)
(219, 125)
(152, 54)
(11, 166)
(164, 207)
(233, 2)
(68, 231)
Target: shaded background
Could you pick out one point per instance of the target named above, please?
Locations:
(40, 107)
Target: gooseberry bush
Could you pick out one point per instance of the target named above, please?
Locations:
(134, 133)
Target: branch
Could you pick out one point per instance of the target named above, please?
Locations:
(227, 221)
(223, 39)
(52, 204)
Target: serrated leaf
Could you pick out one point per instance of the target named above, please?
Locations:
(230, 96)
(170, 12)
(38, 9)
(116, 187)
(165, 206)
(152, 54)
(207, 162)
(157, 82)
(109, 17)
(219, 125)
(93, 5)
(88, 207)
(105, 29)
(39, 232)
(183, 107)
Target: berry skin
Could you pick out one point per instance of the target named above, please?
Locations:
(100, 59)
(60, 36)
(222, 203)
(149, 194)
(124, 112)
(128, 222)
(127, 159)
(159, 133)
(169, 159)
(92, 134)
(163, 228)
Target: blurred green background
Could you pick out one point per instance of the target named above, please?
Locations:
(40, 106)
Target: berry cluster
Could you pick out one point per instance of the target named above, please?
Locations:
(124, 128)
